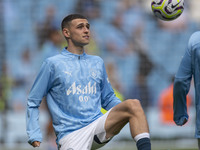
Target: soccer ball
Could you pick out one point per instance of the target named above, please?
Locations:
(167, 9)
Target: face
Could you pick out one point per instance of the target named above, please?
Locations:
(78, 33)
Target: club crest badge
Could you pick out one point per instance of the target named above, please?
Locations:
(93, 73)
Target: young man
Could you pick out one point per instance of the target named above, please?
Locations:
(76, 86)
(190, 66)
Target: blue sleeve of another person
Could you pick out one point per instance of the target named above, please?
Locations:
(38, 91)
(181, 87)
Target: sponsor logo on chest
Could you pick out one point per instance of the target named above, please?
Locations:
(80, 89)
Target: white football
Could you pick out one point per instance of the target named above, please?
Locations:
(167, 9)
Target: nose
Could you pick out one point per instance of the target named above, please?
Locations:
(86, 29)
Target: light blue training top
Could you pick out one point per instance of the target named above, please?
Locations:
(189, 67)
(76, 87)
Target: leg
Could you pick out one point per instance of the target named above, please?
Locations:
(198, 144)
(128, 111)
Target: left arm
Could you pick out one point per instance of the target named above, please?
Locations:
(108, 97)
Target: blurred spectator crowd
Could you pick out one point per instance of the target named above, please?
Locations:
(141, 53)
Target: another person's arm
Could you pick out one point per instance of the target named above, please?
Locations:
(181, 88)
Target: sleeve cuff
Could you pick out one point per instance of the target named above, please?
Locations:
(181, 121)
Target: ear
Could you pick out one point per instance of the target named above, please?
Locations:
(66, 32)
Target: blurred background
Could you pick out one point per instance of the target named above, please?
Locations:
(141, 54)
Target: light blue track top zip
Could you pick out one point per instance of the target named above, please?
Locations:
(76, 87)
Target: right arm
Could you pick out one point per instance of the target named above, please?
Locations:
(38, 91)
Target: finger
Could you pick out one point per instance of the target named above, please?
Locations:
(185, 121)
(36, 144)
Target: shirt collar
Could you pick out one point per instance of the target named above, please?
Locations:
(67, 53)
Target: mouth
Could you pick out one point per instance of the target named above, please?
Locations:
(86, 37)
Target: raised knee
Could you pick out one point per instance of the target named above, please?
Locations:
(133, 103)
(134, 106)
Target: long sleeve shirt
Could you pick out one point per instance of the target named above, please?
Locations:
(190, 66)
(76, 87)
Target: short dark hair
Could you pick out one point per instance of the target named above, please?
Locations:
(69, 18)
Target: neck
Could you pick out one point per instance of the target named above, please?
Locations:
(76, 50)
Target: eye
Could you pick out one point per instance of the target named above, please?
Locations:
(88, 26)
(79, 27)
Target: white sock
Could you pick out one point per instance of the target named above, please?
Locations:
(141, 135)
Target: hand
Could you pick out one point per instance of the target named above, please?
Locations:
(182, 122)
(36, 144)
(185, 120)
